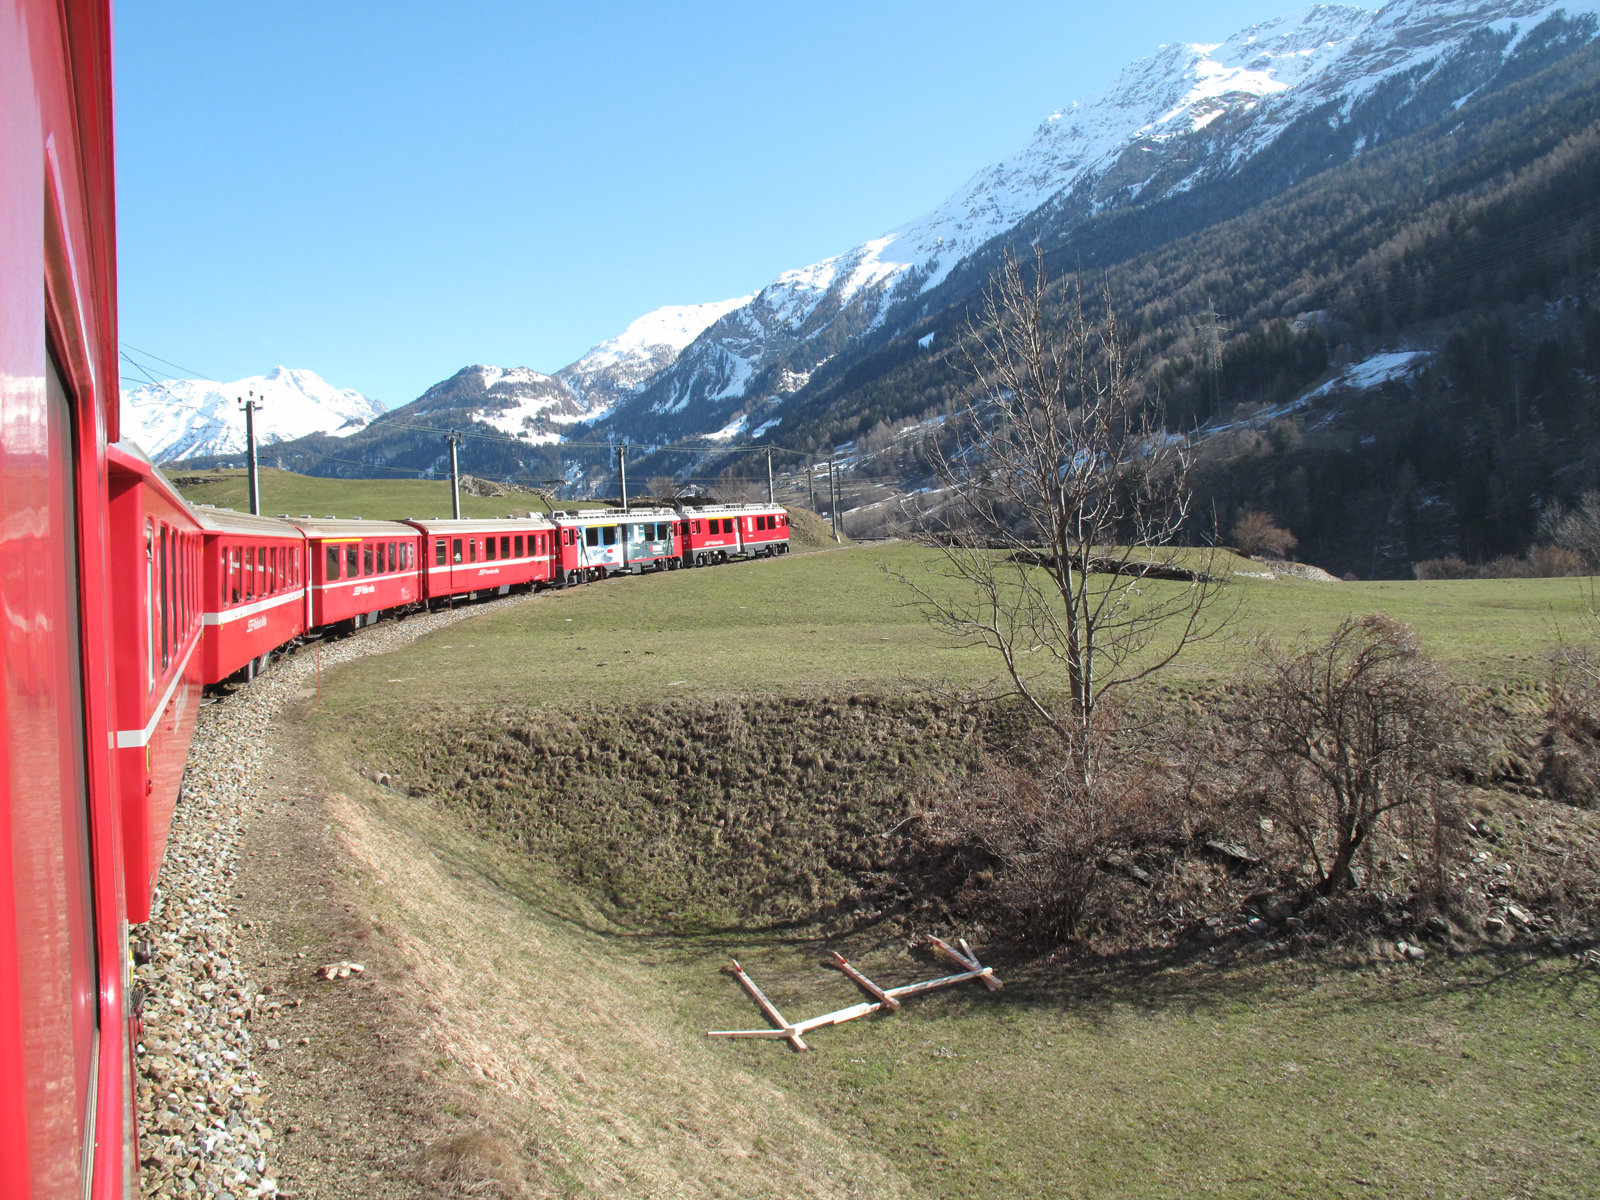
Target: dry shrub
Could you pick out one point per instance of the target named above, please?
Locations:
(1347, 732)
(1445, 568)
(474, 1163)
(1257, 533)
(1027, 850)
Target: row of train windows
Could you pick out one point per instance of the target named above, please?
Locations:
(725, 524)
(367, 558)
(251, 572)
(172, 590)
(507, 546)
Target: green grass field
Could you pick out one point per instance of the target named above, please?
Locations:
(839, 620)
(1335, 1075)
(369, 499)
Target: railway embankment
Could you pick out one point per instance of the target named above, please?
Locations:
(208, 1014)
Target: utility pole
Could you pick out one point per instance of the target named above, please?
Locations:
(453, 438)
(622, 466)
(811, 480)
(1211, 343)
(833, 500)
(769, 477)
(248, 407)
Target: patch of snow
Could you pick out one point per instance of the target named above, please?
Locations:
(1370, 372)
(925, 342)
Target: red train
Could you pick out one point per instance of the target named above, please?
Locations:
(121, 602)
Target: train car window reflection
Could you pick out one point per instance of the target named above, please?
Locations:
(440, 554)
(333, 563)
(457, 549)
(352, 560)
(161, 614)
(366, 558)
(394, 556)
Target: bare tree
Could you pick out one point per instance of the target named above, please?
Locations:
(1063, 495)
(663, 487)
(1352, 728)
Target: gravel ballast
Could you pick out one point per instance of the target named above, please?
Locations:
(200, 1132)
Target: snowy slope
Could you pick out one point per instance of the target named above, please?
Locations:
(1187, 113)
(518, 401)
(188, 418)
(640, 352)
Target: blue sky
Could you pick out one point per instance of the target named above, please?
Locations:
(385, 192)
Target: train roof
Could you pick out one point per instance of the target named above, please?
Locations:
(614, 515)
(353, 527)
(732, 510)
(131, 457)
(481, 524)
(226, 520)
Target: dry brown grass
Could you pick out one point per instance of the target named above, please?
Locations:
(535, 1026)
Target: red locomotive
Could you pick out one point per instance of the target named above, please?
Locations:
(715, 534)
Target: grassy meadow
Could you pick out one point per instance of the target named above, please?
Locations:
(579, 1028)
(369, 499)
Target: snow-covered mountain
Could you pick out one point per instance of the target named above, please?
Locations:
(1187, 115)
(188, 418)
(639, 353)
(516, 400)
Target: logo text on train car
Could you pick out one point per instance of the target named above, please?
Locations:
(363, 590)
(255, 623)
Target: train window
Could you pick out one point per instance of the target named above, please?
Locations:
(472, 550)
(440, 554)
(456, 551)
(352, 560)
(518, 546)
(249, 571)
(608, 534)
(162, 612)
(333, 563)
(591, 536)
(568, 534)
(505, 547)
(394, 556)
(366, 558)
(230, 556)
(488, 549)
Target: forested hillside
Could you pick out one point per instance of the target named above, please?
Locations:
(1472, 237)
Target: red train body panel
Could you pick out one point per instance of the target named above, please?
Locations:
(359, 569)
(65, 1067)
(254, 590)
(462, 557)
(156, 548)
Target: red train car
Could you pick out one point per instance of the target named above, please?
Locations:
(66, 1073)
(254, 591)
(488, 556)
(717, 533)
(156, 546)
(360, 569)
(598, 542)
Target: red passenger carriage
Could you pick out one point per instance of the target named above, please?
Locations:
(66, 1071)
(155, 546)
(488, 556)
(360, 569)
(255, 591)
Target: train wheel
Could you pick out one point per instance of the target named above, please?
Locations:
(672, 564)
